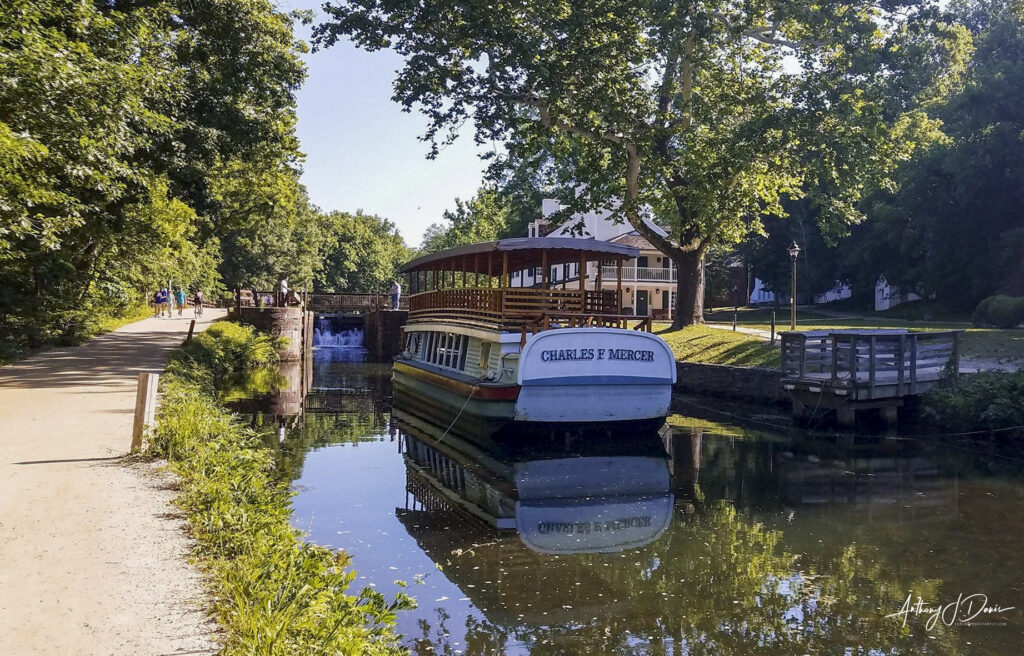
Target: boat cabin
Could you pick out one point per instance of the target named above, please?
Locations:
(473, 285)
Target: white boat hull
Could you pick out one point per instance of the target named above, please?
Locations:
(594, 375)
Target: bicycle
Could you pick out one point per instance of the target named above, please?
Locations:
(198, 310)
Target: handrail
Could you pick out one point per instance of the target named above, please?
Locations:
(522, 308)
(641, 274)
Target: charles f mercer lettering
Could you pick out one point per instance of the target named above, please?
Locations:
(556, 355)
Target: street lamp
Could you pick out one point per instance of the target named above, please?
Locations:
(794, 251)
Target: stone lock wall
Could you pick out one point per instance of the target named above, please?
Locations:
(383, 333)
(278, 322)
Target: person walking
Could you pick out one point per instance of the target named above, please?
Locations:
(156, 303)
(179, 297)
(161, 302)
(396, 294)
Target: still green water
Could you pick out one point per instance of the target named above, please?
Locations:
(703, 538)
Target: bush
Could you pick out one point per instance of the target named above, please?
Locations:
(227, 347)
(989, 400)
(999, 311)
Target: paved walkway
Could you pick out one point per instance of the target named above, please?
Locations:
(92, 554)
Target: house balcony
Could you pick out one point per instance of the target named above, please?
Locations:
(641, 274)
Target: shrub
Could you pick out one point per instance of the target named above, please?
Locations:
(227, 347)
(999, 311)
(989, 400)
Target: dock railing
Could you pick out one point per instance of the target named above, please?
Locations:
(870, 364)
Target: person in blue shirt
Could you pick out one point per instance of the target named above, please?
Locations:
(179, 296)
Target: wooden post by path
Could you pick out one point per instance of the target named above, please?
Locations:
(191, 327)
(145, 408)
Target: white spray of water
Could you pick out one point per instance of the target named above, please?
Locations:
(351, 338)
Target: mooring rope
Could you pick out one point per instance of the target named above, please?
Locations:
(472, 391)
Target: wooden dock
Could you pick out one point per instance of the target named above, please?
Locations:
(848, 371)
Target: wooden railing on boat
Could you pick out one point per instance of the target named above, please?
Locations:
(526, 309)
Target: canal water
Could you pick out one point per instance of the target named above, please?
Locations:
(715, 535)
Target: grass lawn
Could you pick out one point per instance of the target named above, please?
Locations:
(988, 343)
(704, 344)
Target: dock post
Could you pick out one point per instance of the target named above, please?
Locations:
(145, 408)
(772, 343)
(846, 416)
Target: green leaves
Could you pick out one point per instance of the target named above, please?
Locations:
(361, 253)
(139, 141)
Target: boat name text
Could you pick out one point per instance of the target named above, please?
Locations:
(556, 355)
(583, 528)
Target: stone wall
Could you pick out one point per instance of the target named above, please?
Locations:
(383, 333)
(277, 322)
(747, 383)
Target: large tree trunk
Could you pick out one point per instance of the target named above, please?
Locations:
(689, 308)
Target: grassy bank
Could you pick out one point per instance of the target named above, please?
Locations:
(985, 343)
(717, 346)
(272, 592)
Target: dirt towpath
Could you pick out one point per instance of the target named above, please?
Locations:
(93, 558)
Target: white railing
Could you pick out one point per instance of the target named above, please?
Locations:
(641, 274)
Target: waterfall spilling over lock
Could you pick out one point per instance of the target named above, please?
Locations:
(333, 333)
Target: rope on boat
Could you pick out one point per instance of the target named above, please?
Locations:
(471, 393)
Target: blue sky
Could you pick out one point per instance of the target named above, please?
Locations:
(362, 151)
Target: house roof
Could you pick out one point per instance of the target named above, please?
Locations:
(635, 240)
(523, 253)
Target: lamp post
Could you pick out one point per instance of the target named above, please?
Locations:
(794, 251)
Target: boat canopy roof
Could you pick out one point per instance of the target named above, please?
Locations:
(523, 253)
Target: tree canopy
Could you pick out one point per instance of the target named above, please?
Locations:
(704, 113)
(143, 142)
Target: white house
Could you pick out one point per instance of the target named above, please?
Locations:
(648, 281)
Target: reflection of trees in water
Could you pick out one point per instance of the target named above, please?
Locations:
(320, 430)
(716, 582)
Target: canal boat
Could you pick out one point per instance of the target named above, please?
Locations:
(570, 354)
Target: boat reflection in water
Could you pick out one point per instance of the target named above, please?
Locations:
(590, 496)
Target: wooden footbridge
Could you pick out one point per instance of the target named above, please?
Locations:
(319, 302)
(853, 370)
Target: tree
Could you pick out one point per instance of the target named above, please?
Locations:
(363, 255)
(137, 140)
(954, 230)
(820, 265)
(705, 114)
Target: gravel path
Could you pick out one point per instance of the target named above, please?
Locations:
(93, 557)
